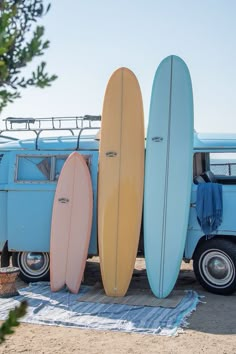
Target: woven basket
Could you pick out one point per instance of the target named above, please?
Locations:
(8, 276)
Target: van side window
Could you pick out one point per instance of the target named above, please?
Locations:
(40, 169)
(223, 164)
(33, 168)
(60, 160)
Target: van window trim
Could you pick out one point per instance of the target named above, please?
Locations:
(53, 158)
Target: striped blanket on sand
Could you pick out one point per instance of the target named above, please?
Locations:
(65, 309)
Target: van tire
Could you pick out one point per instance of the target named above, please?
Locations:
(214, 265)
(34, 266)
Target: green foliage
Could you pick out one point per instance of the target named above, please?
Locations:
(19, 45)
(12, 320)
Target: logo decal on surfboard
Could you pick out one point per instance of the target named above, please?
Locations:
(63, 200)
(111, 154)
(157, 139)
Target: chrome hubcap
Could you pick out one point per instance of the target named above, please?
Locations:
(33, 263)
(217, 268)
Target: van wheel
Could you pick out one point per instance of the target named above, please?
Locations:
(214, 265)
(34, 266)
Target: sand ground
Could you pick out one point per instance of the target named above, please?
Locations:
(212, 328)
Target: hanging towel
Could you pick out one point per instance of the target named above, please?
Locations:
(209, 206)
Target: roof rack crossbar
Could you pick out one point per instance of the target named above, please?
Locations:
(38, 125)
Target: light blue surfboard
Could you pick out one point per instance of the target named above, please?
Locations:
(168, 174)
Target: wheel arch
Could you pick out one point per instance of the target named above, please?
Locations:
(204, 238)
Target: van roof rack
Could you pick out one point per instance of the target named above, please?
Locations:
(75, 125)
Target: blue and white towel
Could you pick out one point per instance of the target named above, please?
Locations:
(209, 206)
(65, 309)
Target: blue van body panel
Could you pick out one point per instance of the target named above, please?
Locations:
(27, 194)
(29, 219)
(64, 143)
(227, 228)
(212, 143)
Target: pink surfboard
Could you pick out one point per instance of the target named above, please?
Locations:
(71, 224)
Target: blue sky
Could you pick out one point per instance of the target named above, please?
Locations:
(92, 38)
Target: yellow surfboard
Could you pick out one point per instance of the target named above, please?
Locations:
(120, 184)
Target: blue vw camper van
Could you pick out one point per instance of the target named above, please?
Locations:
(29, 170)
